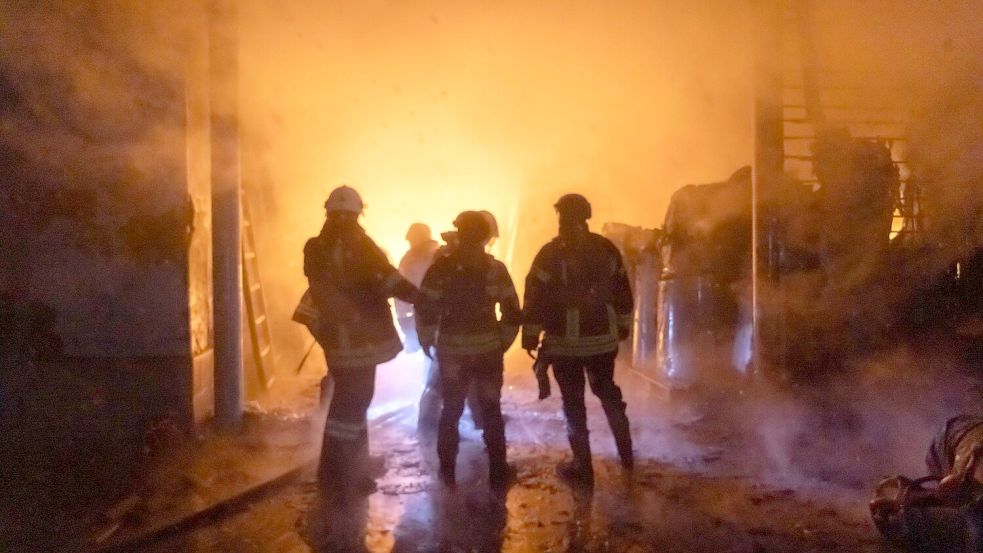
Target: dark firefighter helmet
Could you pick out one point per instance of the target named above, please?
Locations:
(492, 223)
(472, 227)
(573, 206)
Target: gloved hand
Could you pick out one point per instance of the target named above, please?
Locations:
(530, 342)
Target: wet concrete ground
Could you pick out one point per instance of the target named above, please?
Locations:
(699, 486)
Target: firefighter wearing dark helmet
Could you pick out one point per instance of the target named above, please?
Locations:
(578, 299)
(456, 315)
(351, 281)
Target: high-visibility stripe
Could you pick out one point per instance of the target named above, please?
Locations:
(344, 430)
(468, 344)
(431, 293)
(624, 320)
(337, 256)
(573, 323)
(612, 320)
(608, 338)
(578, 351)
(363, 356)
(306, 312)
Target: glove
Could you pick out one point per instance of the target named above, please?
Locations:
(530, 342)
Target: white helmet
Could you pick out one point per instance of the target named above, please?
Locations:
(344, 198)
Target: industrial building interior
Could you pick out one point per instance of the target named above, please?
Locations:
(795, 188)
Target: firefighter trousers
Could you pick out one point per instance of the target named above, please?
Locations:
(345, 448)
(599, 370)
(457, 375)
(429, 413)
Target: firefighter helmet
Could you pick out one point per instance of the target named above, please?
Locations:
(472, 227)
(574, 206)
(418, 233)
(492, 223)
(344, 198)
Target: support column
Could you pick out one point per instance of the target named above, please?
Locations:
(768, 166)
(227, 250)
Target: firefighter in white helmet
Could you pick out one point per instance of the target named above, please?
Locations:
(413, 265)
(351, 281)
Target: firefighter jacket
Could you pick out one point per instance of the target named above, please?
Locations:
(351, 281)
(456, 310)
(577, 296)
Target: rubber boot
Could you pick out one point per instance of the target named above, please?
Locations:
(618, 421)
(366, 468)
(335, 474)
(580, 469)
(500, 475)
(622, 440)
(447, 475)
(447, 456)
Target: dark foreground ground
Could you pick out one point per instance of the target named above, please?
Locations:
(718, 474)
(701, 486)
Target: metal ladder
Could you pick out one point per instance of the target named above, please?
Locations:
(260, 333)
(816, 95)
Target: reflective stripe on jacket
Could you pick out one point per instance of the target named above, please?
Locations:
(456, 310)
(351, 281)
(578, 297)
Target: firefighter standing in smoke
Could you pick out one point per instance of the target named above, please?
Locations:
(351, 281)
(429, 412)
(578, 297)
(413, 265)
(456, 314)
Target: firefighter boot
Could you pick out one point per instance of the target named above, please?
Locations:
(447, 475)
(369, 467)
(500, 473)
(580, 469)
(622, 439)
(447, 455)
(336, 471)
(614, 410)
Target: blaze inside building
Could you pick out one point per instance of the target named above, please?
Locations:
(802, 326)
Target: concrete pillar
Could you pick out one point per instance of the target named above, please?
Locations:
(227, 250)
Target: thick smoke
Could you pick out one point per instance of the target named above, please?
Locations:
(431, 107)
(874, 323)
(92, 144)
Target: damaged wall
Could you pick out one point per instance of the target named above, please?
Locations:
(106, 181)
